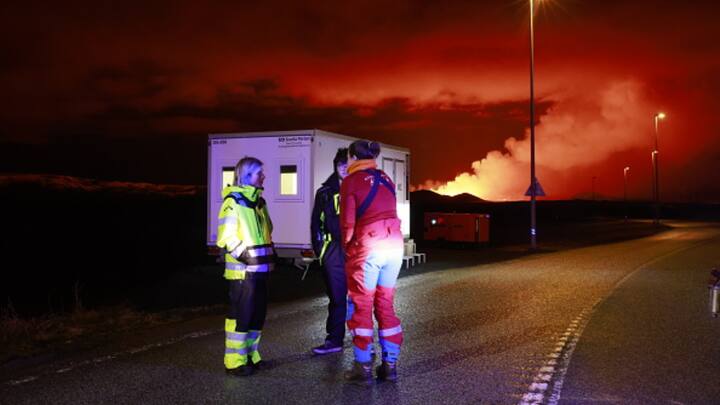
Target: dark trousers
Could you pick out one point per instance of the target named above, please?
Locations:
(336, 285)
(248, 301)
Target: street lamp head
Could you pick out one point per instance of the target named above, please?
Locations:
(626, 169)
(660, 115)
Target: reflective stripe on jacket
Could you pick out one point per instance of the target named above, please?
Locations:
(325, 220)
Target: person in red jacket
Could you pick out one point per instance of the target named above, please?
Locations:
(373, 245)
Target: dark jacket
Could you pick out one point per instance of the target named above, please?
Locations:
(325, 219)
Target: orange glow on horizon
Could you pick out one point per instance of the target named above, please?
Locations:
(582, 131)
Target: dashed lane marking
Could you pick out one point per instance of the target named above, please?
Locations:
(548, 382)
(315, 302)
(102, 359)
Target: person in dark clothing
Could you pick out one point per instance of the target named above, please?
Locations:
(325, 229)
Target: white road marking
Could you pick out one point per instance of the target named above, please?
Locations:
(543, 377)
(537, 393)
(531, 398)
(23, 381)
(550, 376)
(102, 359)
(285, 310)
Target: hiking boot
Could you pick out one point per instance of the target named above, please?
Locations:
(242, 371)
(327, 348)
(387, 371)
(360, 374)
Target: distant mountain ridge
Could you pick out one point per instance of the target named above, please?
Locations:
(61, 182)
(427, 196)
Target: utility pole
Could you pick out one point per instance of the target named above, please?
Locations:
(533, 181)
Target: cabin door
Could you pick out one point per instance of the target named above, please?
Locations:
(395, 169)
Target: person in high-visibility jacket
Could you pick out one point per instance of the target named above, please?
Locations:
(244, 231)
(373, 244)
(325, 233)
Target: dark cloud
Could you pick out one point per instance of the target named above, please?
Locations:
(127, 141)
(114, 76)
(140, 79)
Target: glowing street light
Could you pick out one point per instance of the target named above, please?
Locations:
(656, 170)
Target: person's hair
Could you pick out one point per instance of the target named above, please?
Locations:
(245, 168)
(365, 149)
(340, 157)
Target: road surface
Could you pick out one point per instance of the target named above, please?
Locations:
(619, 323)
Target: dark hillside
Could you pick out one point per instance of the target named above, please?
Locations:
(63, 234)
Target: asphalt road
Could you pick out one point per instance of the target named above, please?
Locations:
(621, 323)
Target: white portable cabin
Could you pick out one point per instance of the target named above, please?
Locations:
(295, 163)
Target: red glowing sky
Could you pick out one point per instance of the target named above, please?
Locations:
(100, 89)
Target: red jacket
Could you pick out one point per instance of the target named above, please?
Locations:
(353, 191)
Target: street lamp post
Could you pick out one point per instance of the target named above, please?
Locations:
(656, 170)
(656, 216)
(626, 170)
(533, 181)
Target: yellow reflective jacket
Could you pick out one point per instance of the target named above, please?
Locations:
(244, 221)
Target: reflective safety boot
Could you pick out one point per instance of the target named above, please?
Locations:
(387, 372)
(360, 374)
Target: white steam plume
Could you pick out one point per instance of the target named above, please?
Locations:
(582, 128)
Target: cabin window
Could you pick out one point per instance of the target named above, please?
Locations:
(288, 180)
(228, 176)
